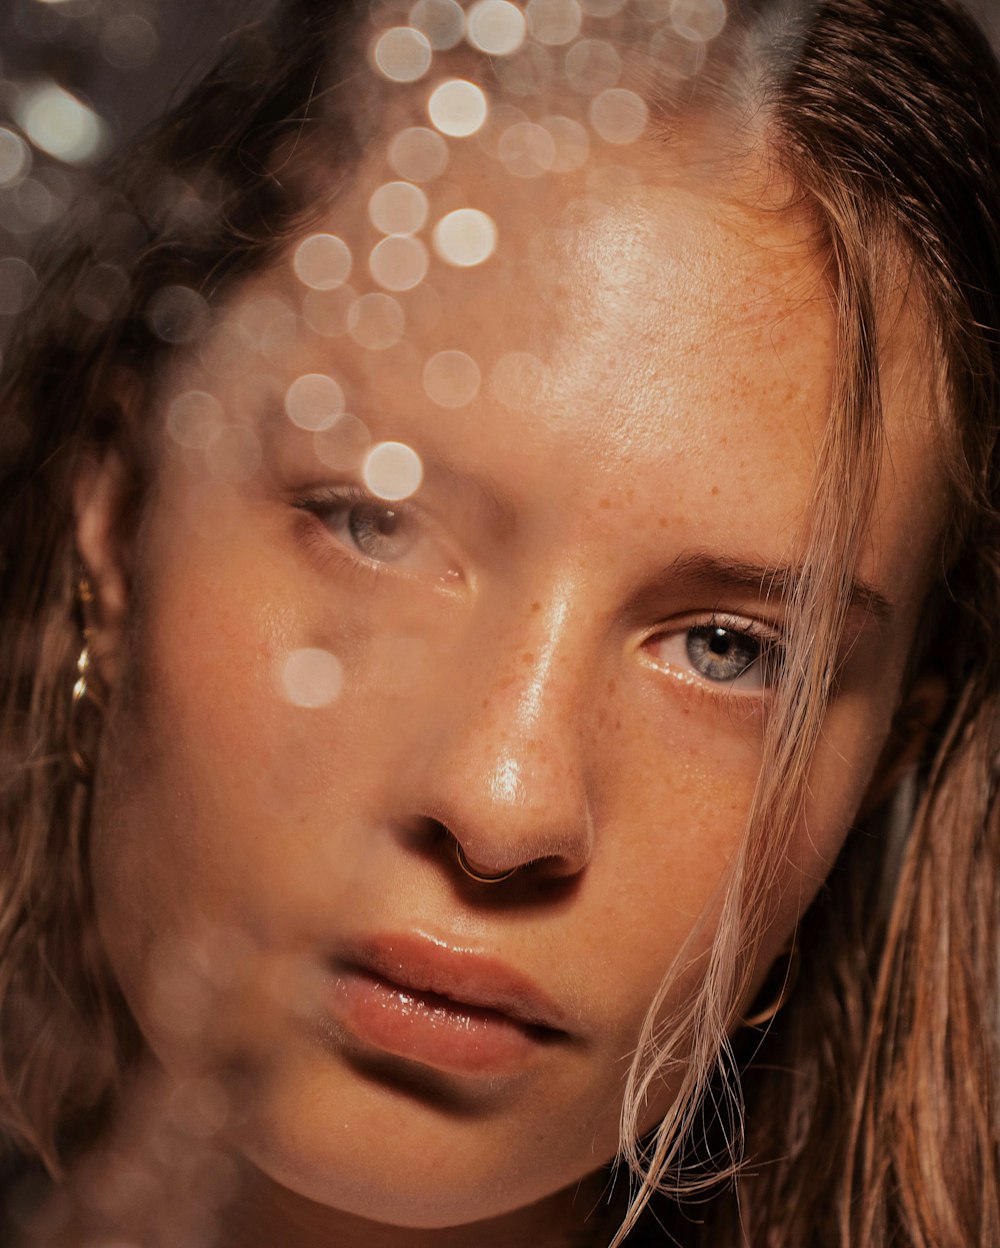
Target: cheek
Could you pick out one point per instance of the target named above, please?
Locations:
(232, 774)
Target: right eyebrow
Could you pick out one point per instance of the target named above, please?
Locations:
(722, 573)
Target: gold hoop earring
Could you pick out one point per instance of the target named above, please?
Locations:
(83, 691)
(790, 978)
(481, 877)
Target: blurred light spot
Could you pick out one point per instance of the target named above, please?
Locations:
(280, 337)
(199, 1107)
(554, 21)
(516, 379)
(403, 54)
(602, 8)
(226, 349)
(322, 261)
(233, 454)
(258, 315)
(618, 115)
(179, 997)
(528, 73)
(314, 401)
(311, 678)
(457, 107)
(194, 419)
(451, 378)
(654, 10)
(37, 205)
(465, 237)
(101, 292)
(593, 65)
(129, 41)
(18, 286)
(398, 208)
(15, 157)
(698, 19)
(399, 262)
(345, 446)
(441, 21)
(675, 58)
(526, 150)
(501, 118)
(177, 314)
(496, 27)
(393, 470)
(572, 143)
(326, 311)
(376, 321)
(60, 124)
(418, 154)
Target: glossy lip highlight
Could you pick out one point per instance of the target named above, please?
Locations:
(455, 1011)
(463, 977)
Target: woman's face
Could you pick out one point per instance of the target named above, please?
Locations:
(548, 652)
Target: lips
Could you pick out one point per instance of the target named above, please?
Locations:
(448, 1008)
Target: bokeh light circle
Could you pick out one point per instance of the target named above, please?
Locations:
(442, 22)
(403, 54)
(619, 115)
(314, 401)
(698, 20)
(496, 27)
(393, 471)
(322, 261)
(311, 678)
(452, 378)
(398, 208)
(457, 107)
(418, 154)
(465, 237)
(399, 262)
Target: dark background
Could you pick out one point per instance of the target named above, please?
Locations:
(125, 59)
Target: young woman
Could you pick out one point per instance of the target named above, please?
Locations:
(499, 540)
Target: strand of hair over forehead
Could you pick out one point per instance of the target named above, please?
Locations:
(691, 1043)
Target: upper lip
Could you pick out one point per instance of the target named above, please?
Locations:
(423, 963)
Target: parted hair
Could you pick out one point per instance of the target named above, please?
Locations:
(869, 1113)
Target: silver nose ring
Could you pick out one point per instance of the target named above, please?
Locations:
(481, 877)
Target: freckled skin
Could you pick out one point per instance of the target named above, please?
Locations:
(688, 344)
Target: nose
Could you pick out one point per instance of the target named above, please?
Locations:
(507, 772)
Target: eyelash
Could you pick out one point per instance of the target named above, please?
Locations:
(339, 501)
(768, 641)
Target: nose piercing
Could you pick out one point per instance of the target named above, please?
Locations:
(481, 877)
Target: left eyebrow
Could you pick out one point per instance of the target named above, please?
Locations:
(727, 574)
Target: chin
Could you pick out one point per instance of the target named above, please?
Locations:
(377, 1152)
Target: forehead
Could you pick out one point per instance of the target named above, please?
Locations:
(634, 328)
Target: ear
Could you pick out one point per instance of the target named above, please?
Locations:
(915, 718)
(102, 493)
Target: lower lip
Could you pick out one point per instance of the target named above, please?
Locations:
(432, 1030)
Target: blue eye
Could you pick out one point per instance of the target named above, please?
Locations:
(739, 655)
(722, 654)
(381, 533)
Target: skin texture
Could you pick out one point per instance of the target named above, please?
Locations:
(515, 676)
